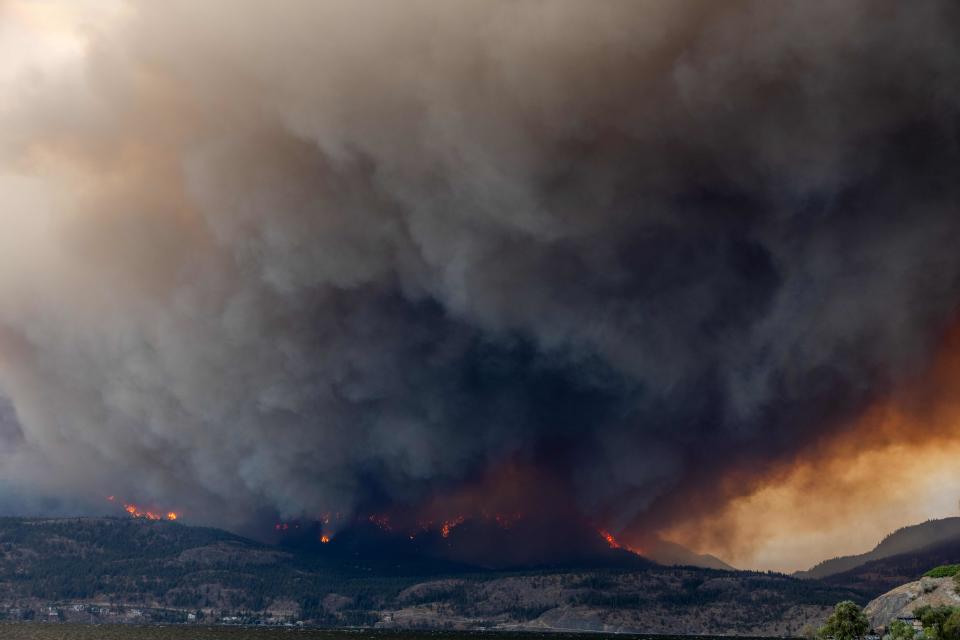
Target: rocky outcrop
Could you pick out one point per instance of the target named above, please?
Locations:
(905, 598)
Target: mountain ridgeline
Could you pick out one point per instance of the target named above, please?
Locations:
(878, 576)
(671, 553)
(903, 541)
(120, 570)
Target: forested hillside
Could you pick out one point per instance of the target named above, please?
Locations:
(106, 569)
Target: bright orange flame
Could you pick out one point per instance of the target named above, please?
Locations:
(324, 538)
(137, 512)
(450, 525)
(616, 544)
(606, 535)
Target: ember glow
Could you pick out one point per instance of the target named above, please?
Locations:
(135, 511)
(606, 535)
(613, 543)
(305, 266)
(449, 525)
(146, 514)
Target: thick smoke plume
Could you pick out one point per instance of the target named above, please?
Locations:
(265, 260)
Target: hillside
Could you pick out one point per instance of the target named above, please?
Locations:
(903, 541)
(117, 570)
(902, 600)
(660, 601)
(879, 576)
(672, 554)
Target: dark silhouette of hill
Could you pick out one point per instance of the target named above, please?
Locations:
(903, 541)
(876, 577)
(168, 569)
(670, 553)
(474, 545)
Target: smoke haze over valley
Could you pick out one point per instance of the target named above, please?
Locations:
(666, 270)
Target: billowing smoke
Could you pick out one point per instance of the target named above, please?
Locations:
(266, 260)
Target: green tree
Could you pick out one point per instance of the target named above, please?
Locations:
(951, 627)
(900, 630)
(847, 622)
(933, 619)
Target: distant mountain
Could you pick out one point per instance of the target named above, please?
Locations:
(879, 576)
(125, 570)
(483, 544)
(672, 554)
(905, 540)
(471, 545)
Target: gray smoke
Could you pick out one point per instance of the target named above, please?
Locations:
(313, 256)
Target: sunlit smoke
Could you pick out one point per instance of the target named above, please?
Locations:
(641, 267)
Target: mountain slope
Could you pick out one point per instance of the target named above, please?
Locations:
(105, 570)
(902, 541)
(902, 600)
(679, 600)
(672, 554)
(878, 576)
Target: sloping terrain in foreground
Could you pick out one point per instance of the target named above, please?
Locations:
(902, 600)
(122, 570)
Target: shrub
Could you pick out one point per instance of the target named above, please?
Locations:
(934, 619)
(900, 630)
(943, 571)
(951, 628)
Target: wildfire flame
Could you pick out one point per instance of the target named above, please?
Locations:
(503, 520)
(616, 544)
(606, 535)
(146, 514)
(450, 525)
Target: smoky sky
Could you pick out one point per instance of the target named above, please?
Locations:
(265, 260)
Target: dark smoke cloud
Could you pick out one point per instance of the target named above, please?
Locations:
(325, 256)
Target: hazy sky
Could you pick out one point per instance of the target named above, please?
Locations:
(693, 262)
